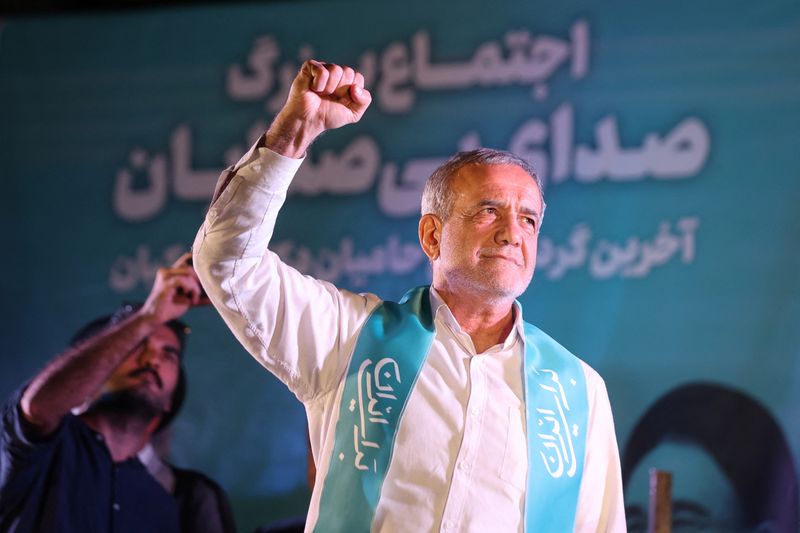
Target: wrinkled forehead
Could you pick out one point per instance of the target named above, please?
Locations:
(500, 180)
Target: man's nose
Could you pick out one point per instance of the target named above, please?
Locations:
(150, 355)
(508, 232)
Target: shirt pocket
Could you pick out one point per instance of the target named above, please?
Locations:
(514, 469)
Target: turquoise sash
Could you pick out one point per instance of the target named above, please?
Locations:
(386, 362)
(556, 414)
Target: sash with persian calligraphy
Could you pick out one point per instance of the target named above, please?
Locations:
(387, 360)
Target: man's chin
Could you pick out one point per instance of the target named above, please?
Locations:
(506, 287)
(493, 281)
(135, 403)
(499, 292)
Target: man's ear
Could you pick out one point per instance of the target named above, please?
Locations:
(152, 426)
(430, 235)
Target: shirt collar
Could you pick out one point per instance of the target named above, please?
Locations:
(441, 311)
(157, 468)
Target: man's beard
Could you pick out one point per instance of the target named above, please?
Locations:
(125, 407)
(494, 288)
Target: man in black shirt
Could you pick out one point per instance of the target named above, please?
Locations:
(70, 438)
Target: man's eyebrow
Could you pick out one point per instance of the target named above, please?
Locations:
(494, 203)
(172, 349)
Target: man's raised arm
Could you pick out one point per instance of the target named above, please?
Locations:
(77, 375)
(288, 322)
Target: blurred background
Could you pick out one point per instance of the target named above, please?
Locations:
(666, 134)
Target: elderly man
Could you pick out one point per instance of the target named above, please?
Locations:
(75, 454)
(445, 411)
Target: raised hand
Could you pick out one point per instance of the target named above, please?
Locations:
(175, 290)
(323, 96)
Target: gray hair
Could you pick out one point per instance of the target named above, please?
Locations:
(438, 198)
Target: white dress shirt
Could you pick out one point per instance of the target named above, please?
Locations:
(460, 458)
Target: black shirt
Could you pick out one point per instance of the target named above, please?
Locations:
(68, 482)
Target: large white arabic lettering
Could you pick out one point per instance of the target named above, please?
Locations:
(519, 58)
(375, 400)
(680, 154)
(554, 431)
(257, 79)
(142, 189)
(635, 258)
(133, 202)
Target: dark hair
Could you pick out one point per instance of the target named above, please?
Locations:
(739, 434)
(180, 329)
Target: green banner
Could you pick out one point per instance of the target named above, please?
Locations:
(666, 135)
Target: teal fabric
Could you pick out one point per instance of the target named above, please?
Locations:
(557, 413)
(388, 357)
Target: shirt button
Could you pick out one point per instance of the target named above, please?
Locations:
(115, 506)
(99, 437)
(475, 410)
(449, 524)
(464, 466)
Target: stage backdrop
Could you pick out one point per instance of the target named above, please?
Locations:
(665, 133)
